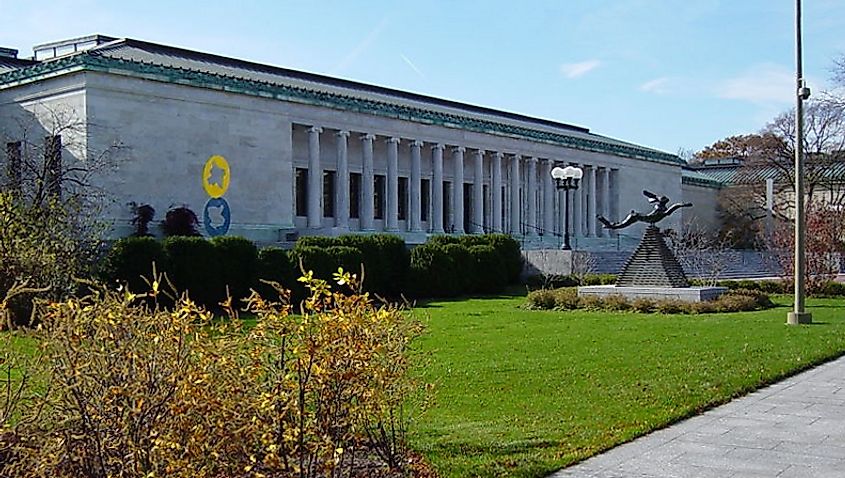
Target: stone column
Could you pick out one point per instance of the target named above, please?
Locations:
(532, 197)
(393, 184)
(458, 188)
(577, 208)
(367, 184)
(591, 204)
(416, 188)
(515, 204)
(342, 181)
(315, 178)
(478, 194)
(437, 189)
(548, 198)
(605, 198)
(497, 192)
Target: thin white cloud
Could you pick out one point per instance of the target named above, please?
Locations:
(575, 70)
(657, 85)
(361, 47)
(412, 65)
(763, 84)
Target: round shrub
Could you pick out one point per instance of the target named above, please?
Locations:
(464, 274)
(195, 267)
(444, 239)
(349, 258)
(489, 272)
(509, 254)
(317, 241)
(386, 261)
(131, 259)
(566, 298)
(274, 265)
(238, 261)
(541, 299)
(432, 272)
(314, 259)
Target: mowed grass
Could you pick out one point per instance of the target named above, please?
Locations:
(522, 393)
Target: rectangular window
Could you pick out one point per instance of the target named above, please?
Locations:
(13, 165)
(447, 205)
(328, 193)
(378, 196)
(355, 195)
(403, 198)
(425, 194)
(469, 225)
(53, 162)
(301, 186)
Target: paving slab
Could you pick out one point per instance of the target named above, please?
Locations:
(794, 428)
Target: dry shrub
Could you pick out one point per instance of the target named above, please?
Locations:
(616, 302)
(566, 298)
(671, 306)
(643, 305)
(541, 299)
(591, 302)
(128, 390)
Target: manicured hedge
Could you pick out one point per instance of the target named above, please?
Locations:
(432, 272)
(386, 261)
(131, 259)
(238, 264)
(275, 265)
(490, 275)
(195, 266)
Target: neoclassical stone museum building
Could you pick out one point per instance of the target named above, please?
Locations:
(271, 153)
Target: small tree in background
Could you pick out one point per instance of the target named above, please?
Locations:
(823, 240)
(180, 221)
(704, 255)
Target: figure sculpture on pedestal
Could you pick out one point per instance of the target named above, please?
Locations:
(652, 264)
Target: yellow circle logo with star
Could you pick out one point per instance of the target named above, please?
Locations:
(215, 176)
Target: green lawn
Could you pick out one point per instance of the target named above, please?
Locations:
(522, 393)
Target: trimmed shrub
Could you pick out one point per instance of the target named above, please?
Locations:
(761, 299)
(643, 305)
(315, 259)
(591, 302)
(616, 302)
(489, 272)
(131, 259)
(443, 240)
(509, 254)
(349, 258)
(542, 299)
(432, 272)
(180, 221)
(275, 265)
(671, 306)
(238, 260)
(194, 267)
(567, 299)
(386, 261)
(317, 241)
(464, 267)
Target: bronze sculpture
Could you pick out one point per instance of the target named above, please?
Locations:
(659, 212)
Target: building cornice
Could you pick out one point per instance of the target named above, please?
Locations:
(91, 61)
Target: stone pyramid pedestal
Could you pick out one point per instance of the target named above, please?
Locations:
(653, 272)
(652, 264)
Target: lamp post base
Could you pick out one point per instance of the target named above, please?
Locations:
(795, 318)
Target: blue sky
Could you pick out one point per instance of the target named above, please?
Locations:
(668, 74)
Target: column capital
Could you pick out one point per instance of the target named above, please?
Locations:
(394, 139)
(497, 154)
(438, 146)
(418, 143)
(368, 136)
(315, 129)
(343, 133)
(516, 157)
(531, 159)
(458, 149)
(480, 152)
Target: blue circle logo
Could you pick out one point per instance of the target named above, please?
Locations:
(217, 217)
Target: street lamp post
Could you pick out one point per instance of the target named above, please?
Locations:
(798, 314)
(566, 178)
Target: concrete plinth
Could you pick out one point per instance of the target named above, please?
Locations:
(795, 318)
(687, 294)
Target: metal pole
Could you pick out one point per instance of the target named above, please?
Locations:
(798, 315)
(566, 246)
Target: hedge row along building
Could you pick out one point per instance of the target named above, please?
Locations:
(271, 153)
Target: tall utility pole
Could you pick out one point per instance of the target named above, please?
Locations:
(798, 314)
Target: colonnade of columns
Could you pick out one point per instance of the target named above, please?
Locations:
(532, 208)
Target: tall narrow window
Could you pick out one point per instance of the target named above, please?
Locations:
(328, 193)
(355, 195)
(468, 224)
(53, 163)
(425, 194)
(301, 192)
(378, 196)
(13, 165)
(403, 198)
(447, 206)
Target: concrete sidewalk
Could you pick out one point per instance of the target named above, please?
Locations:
(794, 428)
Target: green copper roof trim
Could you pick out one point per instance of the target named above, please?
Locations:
(696, 181)
(93, 62)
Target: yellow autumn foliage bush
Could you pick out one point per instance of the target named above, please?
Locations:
(128, 389)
